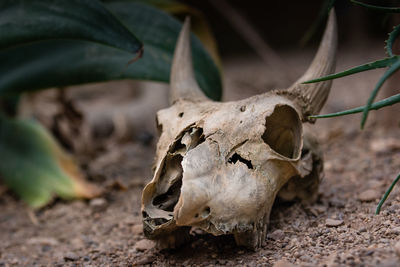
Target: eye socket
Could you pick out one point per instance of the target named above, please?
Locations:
(283, 131)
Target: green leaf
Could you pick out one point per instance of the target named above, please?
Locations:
(383, 63)
(35, 167)
(59, 63)
(375, 106)
(372, 97)
(198, 22)
(390, 41)
(378, 8)
(159, 32)
(27, 21)
(385, 196)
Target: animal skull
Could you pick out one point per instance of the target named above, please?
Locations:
(220, 166)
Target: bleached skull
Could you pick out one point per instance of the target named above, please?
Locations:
(220, 166)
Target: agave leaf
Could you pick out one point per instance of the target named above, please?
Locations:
(375, 106)
(381, 81)
(378, 8)
(383, 63)
(59, 63)
(35, 167)
(385, 196)
(390, 41)
(206, 69)
(26, 21)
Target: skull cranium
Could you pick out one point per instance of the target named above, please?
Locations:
(220, 166)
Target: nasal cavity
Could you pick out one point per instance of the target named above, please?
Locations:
(171, 178)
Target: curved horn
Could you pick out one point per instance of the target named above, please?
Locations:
(312, 97)
(183, 82)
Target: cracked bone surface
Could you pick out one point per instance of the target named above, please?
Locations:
(220, 166)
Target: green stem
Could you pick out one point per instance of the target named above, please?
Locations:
(385, 76)
(378, 8)
(390, 41)
(383, 63)
(385, 196)
(375, 106)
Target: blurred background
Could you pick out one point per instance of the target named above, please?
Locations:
(289, 35)
(282, 24)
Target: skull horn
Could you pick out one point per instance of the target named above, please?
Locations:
(312, 97)
(182, 80)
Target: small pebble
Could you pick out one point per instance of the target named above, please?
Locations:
(223, 262)
(144, 244)
(362, 230)
(70, 256)
(384, 145)
(98, 204)
(320, 208)
(137, 229)
(395, 230)
(338, 203)
(333, 222)
(49, 241)
(397, 248)
(149, 259)
(369, 252)
(277, 235)
(369, 195)
(283, 263)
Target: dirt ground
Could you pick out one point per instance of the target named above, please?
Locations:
(358, 168)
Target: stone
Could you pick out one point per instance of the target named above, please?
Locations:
(369, 195)
(395, 230)
(70, 256)
(98, 204)
(48, 241)
(148, 259)
(384, 145)
(277, 235)
(283, 263)
(362, 230)
(137, 229)
(144, 245)
(333, 222)
(397, 248)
